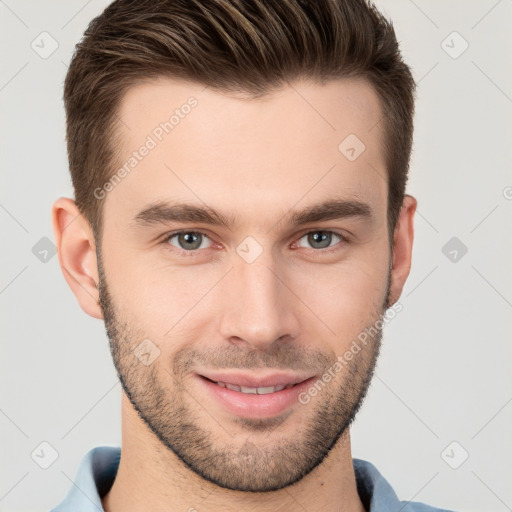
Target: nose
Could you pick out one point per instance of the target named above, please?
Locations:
(257, 306)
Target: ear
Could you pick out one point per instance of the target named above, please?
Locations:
(77, 254)
(402, 248)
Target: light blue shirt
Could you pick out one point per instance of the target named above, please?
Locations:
(98, 470)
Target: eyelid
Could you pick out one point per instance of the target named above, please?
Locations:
(343, 239)
(325, 230)
(168, 236)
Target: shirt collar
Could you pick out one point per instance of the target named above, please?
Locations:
(93, 480)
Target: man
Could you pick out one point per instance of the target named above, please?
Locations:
(240, 224)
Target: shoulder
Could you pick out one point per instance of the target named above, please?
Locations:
(377, 494)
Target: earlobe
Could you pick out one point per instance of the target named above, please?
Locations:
(402, 250)
(77, 254)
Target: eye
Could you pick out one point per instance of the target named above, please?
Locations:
(321, 239)
(188, 240)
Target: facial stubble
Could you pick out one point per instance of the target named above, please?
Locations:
(254, 466)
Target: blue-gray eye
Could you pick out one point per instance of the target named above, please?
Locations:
(189, 240)
(320, 239)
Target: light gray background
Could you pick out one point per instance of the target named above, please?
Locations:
(444, 373)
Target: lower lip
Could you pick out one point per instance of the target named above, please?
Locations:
(248, 405)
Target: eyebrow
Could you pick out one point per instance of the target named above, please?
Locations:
(161, 212)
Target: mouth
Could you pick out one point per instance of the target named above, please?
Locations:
(253, 396)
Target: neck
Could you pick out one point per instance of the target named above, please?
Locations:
(150, 477)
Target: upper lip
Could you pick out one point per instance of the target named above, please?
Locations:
(255, 381)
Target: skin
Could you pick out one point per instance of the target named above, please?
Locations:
(293, 307)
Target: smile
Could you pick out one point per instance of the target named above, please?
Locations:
(253, 396)
(254, 391)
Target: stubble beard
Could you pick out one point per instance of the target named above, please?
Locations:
(251, 465)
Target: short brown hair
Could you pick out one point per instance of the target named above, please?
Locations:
(248, 46)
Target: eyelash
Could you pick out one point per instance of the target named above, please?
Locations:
(192, 253)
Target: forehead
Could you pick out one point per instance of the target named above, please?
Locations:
(336, 105)
(299, 143)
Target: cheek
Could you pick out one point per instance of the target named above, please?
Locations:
(346, 298)
(164, 302)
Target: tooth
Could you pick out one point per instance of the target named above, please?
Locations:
(253, 391)
(266, 390)
(249, 390)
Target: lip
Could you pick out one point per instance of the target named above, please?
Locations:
(247, 405)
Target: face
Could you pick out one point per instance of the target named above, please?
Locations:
(228, 291)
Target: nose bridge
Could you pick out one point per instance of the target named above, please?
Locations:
(257, 307)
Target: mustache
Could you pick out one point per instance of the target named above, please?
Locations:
(279, 356)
